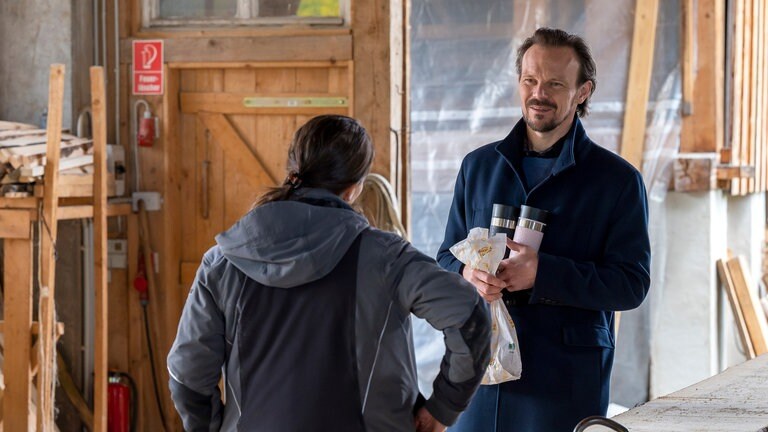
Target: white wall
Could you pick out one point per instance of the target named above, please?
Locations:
(694, 334)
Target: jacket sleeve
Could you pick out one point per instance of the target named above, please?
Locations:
(620, 279)
(197, 356)
(451, 305)
(456, 228)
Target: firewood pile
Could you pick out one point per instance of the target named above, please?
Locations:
(22, 159)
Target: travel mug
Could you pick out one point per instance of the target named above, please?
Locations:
(503, 220)
(530, 227)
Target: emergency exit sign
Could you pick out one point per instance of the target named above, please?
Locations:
(148, 67)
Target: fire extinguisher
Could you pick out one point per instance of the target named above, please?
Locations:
(147, 130)
(121, 403)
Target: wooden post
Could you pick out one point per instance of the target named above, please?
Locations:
(17, 282)
(639, 83)
(47, 309)
(98, 108)
(703, 80)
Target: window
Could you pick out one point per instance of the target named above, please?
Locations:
(243, 12)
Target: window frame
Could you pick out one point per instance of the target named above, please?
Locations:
(245, 9)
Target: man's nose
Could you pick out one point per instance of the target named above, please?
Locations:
(539, 92)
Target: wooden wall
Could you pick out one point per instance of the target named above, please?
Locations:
(372, 47)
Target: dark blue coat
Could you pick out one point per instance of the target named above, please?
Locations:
(594, 260)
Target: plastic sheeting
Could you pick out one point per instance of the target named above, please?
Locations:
(464, 95)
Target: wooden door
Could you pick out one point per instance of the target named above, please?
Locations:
(235, 126)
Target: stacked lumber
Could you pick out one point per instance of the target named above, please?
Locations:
(22, 159)
(749, 104)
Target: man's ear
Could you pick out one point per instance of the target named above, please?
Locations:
(585, 90)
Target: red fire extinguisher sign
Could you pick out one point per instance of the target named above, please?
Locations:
(148, 67)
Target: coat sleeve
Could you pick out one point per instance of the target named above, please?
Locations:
(451, 305)
(620, 279)
(197, 356)
(456, 228)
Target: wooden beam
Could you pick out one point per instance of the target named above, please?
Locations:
(233, 103)
(99, 110)
(694, 172)
(14, 224)
(378, 54)
(242, 32)
(703, 79)
(639, 83)
(235, 148)
(171, 211)
(45, 379)
(733, 172)
(259, 65)
(738, 316)
(17, 284)
(252, 49)
(754, 317)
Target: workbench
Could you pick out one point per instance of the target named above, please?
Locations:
(735, 400)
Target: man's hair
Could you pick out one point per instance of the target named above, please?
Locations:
(558, 38)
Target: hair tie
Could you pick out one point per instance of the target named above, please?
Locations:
(294, 180)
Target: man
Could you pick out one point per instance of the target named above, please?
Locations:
(594, 258)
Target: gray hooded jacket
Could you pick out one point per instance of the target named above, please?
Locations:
(289, 243)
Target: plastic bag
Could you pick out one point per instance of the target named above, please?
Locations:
(480, 252)
(505, 362)
(483, 253)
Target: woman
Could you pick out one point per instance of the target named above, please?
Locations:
(305, 309)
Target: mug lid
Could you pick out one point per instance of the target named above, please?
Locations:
(533, 213)
(504, 211)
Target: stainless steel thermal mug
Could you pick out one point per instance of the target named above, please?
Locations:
(503, 220)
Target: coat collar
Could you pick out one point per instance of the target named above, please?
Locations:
(511, 147)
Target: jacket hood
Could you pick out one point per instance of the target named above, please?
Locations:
(285, 244)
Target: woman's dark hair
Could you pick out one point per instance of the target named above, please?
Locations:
(331, 152)
(559, 38)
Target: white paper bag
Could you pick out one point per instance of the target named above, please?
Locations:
(505, 362)
(483, 253)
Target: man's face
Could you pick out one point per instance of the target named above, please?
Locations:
(548, 87)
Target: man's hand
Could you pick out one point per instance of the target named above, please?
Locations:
(518, 272)
(488, 286)
(424, 422)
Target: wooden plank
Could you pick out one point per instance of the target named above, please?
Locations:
(45, 379)
(259, 65)
(703, 80)
(746, 96)
(731, 172)
(7, 125)
(738, 316)
(17, 284)
(14, 224)
(232, 103)
(732, 156)
(754, 317)
(63, 164)
(378, 58)
(74, 190)
(639, 82)
(99, 110)
(25, 203)
(728, 402)
(171, 232)
(235, 148)
(84, 211)
(209, 32)
(252, 49)
(754, 86)
(154, 312)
